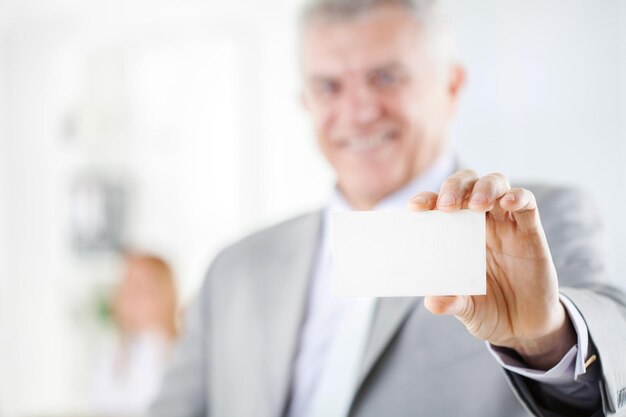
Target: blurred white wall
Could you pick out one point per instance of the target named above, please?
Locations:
(195, 105)
(545, 99)
(192, 104)
(4, 276)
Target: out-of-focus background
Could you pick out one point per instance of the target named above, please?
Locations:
(174, 127)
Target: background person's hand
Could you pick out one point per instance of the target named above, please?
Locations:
(521, 309)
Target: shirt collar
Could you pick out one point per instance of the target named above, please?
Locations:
(430, 180)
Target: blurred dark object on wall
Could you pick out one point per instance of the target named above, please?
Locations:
(97, 214)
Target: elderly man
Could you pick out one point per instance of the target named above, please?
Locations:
(266, 337)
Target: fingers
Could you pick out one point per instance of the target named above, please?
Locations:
(523, 206)
(459, 306)
(423, 201)
(452, 196)
(491, 193)
(456, 190)
(486, 192)
(462, 190)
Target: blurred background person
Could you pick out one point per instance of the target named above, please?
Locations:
(129, 371)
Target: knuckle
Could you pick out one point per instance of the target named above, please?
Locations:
(488, 189)
(497, 177)
(467, 173)
(484, 186)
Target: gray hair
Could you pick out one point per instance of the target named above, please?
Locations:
(429, 14)
(331, 10)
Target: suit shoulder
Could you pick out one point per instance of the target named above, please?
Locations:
(554, 199)
(272, 240)
(552, 192)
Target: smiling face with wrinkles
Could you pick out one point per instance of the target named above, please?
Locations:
(380, 100)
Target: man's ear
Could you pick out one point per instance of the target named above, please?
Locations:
(456, 82)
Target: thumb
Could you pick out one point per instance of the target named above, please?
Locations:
(455, 305)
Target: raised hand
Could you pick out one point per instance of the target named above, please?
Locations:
(521, 309)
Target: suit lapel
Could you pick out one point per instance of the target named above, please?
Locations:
(388, 317)
(286, 292)
(286, 289)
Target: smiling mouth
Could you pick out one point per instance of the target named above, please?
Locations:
(365, 144)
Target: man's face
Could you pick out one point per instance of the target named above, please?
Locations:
(380, 100)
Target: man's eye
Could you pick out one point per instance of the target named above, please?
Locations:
(384, 79)
(327, 88)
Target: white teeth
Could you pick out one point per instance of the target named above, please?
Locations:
(365, 144)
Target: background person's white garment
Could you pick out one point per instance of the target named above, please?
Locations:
(315, 371)
(125, 383)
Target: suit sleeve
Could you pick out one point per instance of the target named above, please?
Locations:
(576, 242)
(184, 388)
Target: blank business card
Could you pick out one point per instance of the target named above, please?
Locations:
(407, 253)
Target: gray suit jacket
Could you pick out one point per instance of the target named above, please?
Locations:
(236, 354)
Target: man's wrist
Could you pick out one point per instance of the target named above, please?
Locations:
(545, 352)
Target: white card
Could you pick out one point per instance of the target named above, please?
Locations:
(408, 253)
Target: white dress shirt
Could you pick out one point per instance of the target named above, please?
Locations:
(336, 329)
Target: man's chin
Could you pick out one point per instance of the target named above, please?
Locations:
(372, 190)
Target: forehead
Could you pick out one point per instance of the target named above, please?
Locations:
(379, 37)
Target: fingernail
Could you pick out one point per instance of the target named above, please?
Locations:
(419, 199)
(478, 198)
(509, 197)
(446, 199)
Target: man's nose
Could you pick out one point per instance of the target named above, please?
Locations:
(360, 106)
